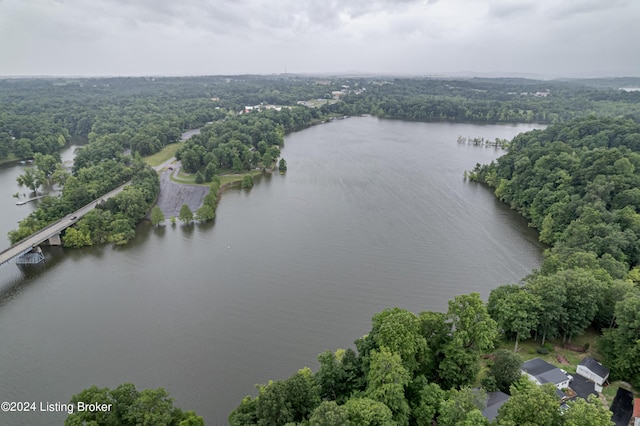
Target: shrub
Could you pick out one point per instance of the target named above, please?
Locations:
(247, 182)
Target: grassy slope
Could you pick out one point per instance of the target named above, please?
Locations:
(225, 179)
(163, 155)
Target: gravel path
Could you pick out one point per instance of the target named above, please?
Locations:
(174, 195)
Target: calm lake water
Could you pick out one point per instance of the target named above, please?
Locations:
(371, 214)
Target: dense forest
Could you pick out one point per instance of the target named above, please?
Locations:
(578, 184)
(243, 142)
(144, 114)
(493, 100)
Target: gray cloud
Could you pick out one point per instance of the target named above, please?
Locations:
(261, 36)
(567, 10)
(506, 9)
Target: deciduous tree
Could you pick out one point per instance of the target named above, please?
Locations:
(128, 406)
(400, 331)
(247, 182)
(505, 369)
(205, 213)
(587, 413)
(328, 413)
(185, 215)
(386, 381)
(530, 405)
(368, 412)
(157, 217)
(518, 313)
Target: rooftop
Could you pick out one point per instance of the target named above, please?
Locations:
(537, 366)
(494, 402)
(595, 366)
(636, 407)
(543, 371)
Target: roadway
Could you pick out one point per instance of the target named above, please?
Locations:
(32, 241)
(44, 234)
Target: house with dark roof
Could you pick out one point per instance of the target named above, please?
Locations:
(591, 369)
(541, 372)
(495, 400)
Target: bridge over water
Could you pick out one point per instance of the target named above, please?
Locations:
(52, 232)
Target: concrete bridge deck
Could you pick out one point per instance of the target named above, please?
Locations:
(55, 228)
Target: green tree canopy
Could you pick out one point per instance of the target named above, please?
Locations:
(473, 328)
(328, 413)
(620, 345)
(157, 217)
(386, 381)
(461, 407)
(185, 215)
(282, 165)
(247, 182)
(518, 313)
(400, 331)
(368, 412)
(130, 407)
(31, 178)
(587, 413)
(205, 213)
(505, 369)
(530, 405)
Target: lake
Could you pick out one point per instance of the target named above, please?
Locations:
(370, 214)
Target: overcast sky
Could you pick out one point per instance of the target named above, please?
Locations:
(425, 37)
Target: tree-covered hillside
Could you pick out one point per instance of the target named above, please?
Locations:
(578, 183)
(144, 114)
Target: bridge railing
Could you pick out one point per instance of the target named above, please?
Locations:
(51, 225)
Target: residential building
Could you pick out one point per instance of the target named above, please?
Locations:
(541, 372)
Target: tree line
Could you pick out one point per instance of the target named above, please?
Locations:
(145, 114)
(490, 100)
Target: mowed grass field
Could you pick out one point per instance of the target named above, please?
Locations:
(163, 155)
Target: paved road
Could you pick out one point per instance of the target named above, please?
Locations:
(57, 227)
(184, 137)
(53, 229)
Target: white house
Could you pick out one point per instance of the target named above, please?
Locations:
(591, 369)
(541, 372)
